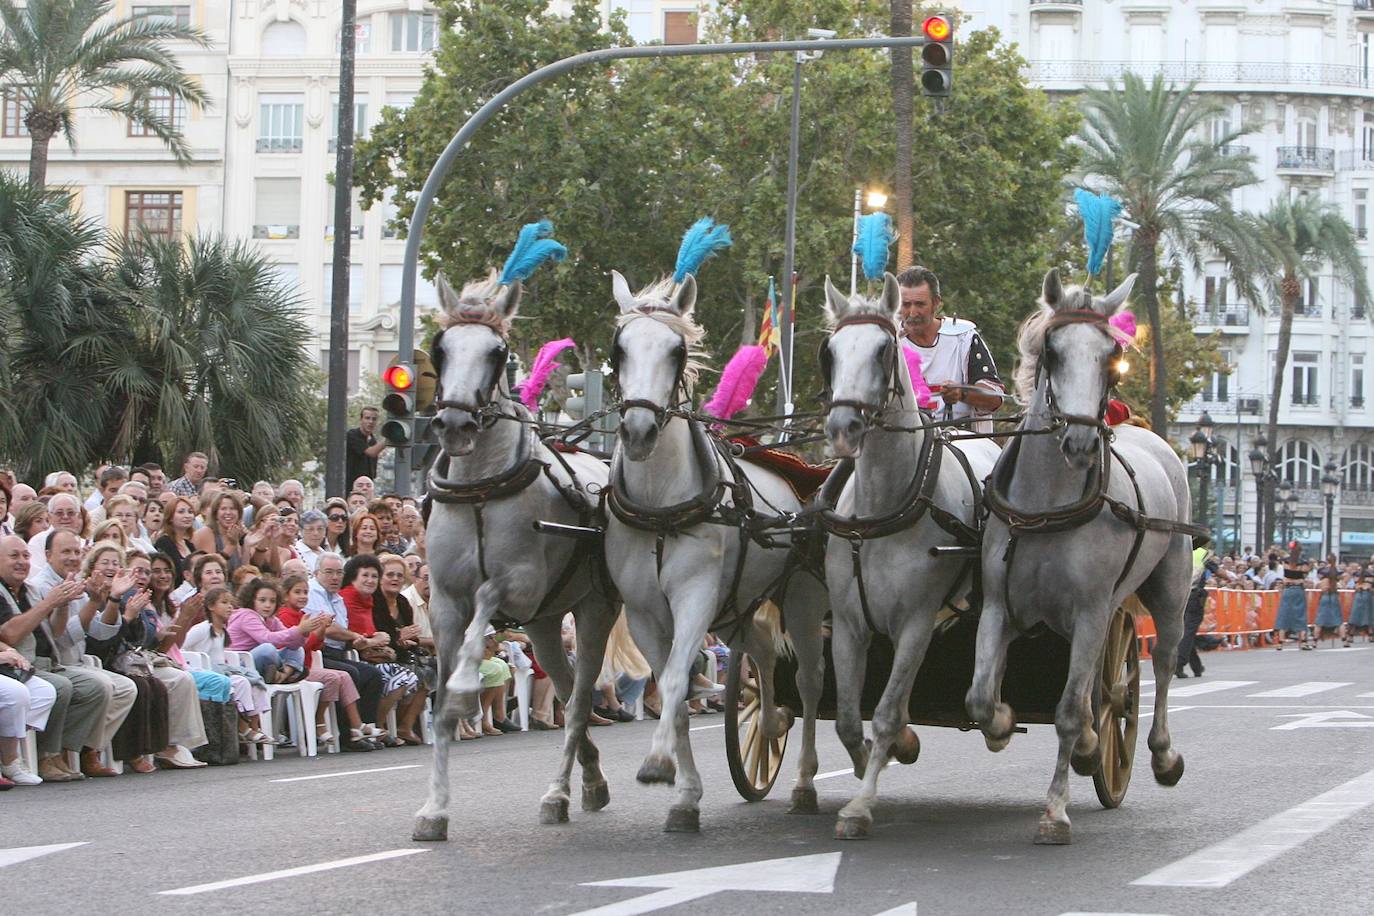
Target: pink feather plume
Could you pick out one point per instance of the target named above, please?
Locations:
(1123, 327)
(544, 364)
(737, 382)
(918, 379)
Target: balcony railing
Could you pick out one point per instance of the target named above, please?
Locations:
(1233, 149)
(1226, 315)
(276, 231)
(1352, 497)
(1245, 73)
(1357, 402)
(1307, 158)
(1305, 400)
(279, 144)
(1035, 3)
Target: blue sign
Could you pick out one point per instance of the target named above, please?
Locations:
(1358, 538)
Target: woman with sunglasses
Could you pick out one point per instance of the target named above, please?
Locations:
(336, 532)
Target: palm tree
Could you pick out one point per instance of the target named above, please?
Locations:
(212, 359)
(902, 103)
(1147, 145)
(1300, 235)
(61, 56)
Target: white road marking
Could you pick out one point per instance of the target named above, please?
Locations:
(1335, 718)
(407, 766)
(1305, 689)
(1220, 864)
(291, 872)
(1364, 696)
(906, 909)
(833, 773)
(1192, 690)
(1146, 715)
(814, 874)
(1095, 913)
(25, 853)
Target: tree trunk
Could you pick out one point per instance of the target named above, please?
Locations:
(1289, 290)
(1146, 259)
(38, 157)
(902, 90)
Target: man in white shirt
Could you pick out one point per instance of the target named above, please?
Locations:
(338, 638)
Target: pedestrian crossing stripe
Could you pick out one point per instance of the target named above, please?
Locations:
(1305, 689)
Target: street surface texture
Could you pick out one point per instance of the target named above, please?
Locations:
(1273, 815)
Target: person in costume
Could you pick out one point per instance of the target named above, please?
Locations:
(1292, 616)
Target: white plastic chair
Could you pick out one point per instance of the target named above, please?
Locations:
(293, 694)
(524, 683)
(331, 717)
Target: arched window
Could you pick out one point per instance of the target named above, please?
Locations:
(1307, 128)
(1300, 462)
(1227, 471)
(1359, 467)
(283, 39)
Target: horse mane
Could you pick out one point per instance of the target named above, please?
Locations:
(472, 305)
(652, 303)
(1030, 338)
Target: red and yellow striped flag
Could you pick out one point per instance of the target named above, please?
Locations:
(768, 328)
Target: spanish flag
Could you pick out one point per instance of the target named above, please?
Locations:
(768, 328)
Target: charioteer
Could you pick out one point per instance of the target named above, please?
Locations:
(954, 359)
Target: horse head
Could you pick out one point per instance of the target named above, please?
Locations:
(650, 356)
(1076, 362)
(469, 355)
(859, 363)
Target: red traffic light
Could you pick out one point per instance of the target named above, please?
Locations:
(936, 28)
(401, 378)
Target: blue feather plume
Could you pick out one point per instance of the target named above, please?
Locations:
(1098, 212)
(534, 246)
(876, 235)
(704, 239)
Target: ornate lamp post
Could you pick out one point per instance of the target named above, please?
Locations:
(1204, 458)
(1259, 466)
(1287, 506)
(1331, 485)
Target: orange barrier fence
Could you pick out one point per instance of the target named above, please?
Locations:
(1242, 619)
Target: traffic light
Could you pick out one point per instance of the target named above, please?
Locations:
(399, 404)
(578, 406)
(937, 58)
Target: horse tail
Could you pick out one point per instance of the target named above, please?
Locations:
(768, 620)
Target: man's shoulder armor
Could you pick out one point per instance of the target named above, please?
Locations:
(956, 327)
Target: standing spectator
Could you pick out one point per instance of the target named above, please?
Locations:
(157, 480)
(365, 486)
(324, 599)
(178, 525)
(192, 475)
(62, 481)
(107, 485)
(336, 526)
(363, 448)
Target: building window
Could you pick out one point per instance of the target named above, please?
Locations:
(160, 104)
(16, 110)
(1221, 129)
(640, 18)
(1357, 380)
(355, 214)
(1304, 374)
(359, 121)
(679, 27)
(283, 39)
(1217, 389)
(277, 208)
(155, 213)
(1214, 293)
(1359, 467)
(1226, 471)
(1307, 131)
(390, 215)
(355, 287)
(172, 13)
(1300, 463)
(414, 31)
(362, 37)
(354, 362)
(1307, 303)
(281, 123)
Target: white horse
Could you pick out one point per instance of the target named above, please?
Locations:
(1074, 533)
(679, 554)
(493, 482)
(908, 492)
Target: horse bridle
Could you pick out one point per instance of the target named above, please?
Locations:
(662, 413)
(891, 387)
(485, 409)
(1057, 416)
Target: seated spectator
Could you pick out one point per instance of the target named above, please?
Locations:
(178, 525)
(288, 531)
(111, 531)
(25, 703)
(495, 673)
(357, 503)
(278, 650)
(293, 491)
(325, 598)
(338, 686)
(223, 532)
(209, 637)
(242, 576)
(124, 509)
(366, 535)
(263, 541)
(365, 486)
(361, 580)
(389, 540)
(393, 615)
(410, 524)
(151, 517)
(31, 520)
(337, 530)
(624, 675)
(64, 511)
(311, 544)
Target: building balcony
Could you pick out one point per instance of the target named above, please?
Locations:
(1351, 497)
(357, 233)
(1073, 74)
(1357, 403)
(1305, 400)
(1233, 149)
(1232, 317)
(279, 144)
(1358, 160)
(1307, 160)
(277, 231)
(1364, 9)
(1056, 6)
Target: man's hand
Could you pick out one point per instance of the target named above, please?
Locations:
(12, 657)
(66, 591)
(951, 394)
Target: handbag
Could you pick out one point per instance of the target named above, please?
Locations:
(14, 671)
(133, 662)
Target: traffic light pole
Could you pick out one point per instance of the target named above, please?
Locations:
(336, 424)
(430, 190)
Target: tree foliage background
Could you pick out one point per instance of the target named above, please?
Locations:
(623, 157)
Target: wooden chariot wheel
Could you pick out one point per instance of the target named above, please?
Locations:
(754, 758)
(1116, 708)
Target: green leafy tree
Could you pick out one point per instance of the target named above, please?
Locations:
(67, 55)
(1148, 146)
(1300, 236)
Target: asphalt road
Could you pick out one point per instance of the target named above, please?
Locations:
(952, 834)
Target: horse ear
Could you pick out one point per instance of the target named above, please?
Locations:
(836, 302)
(685, 296)
(507, 299)
(1053, 292)
(448, 298)
(621, 291)
(1116, 299)
(892, 295)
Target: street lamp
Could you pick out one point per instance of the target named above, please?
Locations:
(1331, 485)
(874, 200)
(1259, 466)
(1204, 458)
(1287, 506)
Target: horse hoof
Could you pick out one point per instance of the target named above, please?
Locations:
(907, 748)
(804, 801)
(853, 828)
(683, 820)
(554, 811)
(996, 744)
(657, 770)
(1168, 775)
(430, 829)
(596, 796)
(1086, 764)
(1053, 833)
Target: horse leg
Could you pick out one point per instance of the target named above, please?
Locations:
(983, 701)
(1164, 594)
(464, 685)
(594, 618)
(431, 821)
(805, 610)
(891, 734)
(849, 641)
(547, 636)
(693, 607)
(1072, 716)
(685, 814)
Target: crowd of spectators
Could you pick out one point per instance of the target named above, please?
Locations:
(123, 615)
